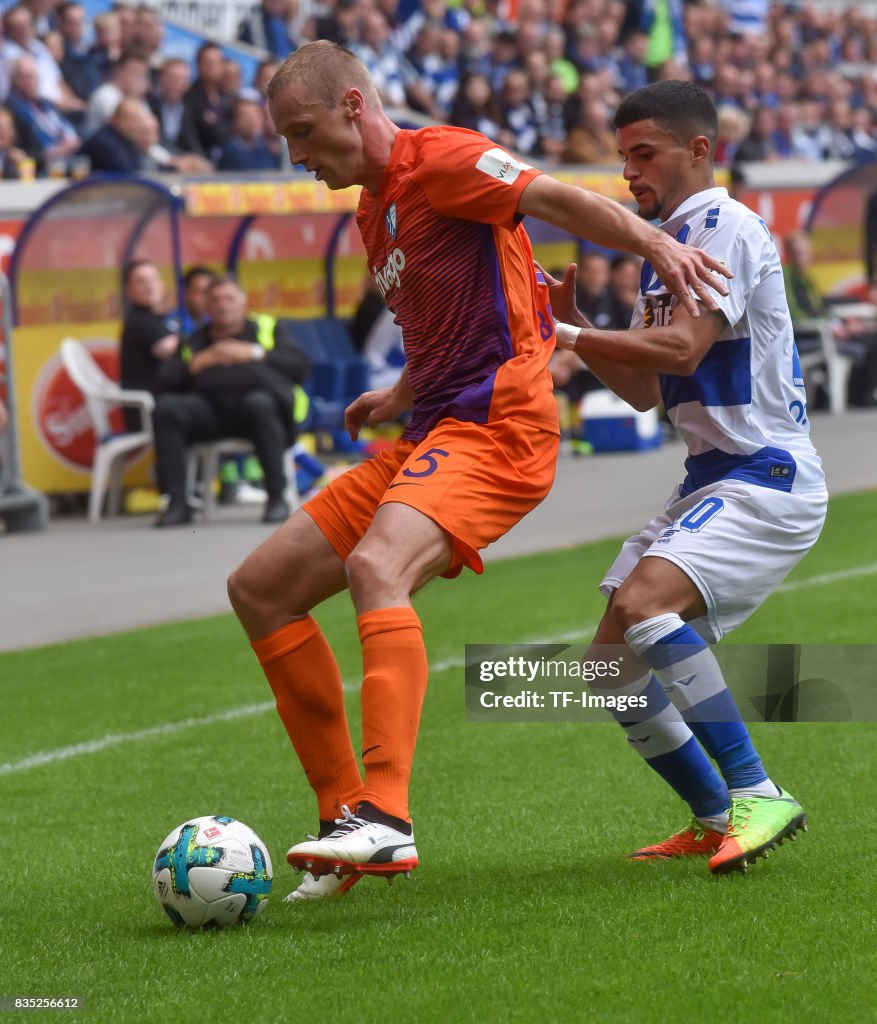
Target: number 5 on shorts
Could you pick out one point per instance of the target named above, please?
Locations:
(431, 463)
(701, 514)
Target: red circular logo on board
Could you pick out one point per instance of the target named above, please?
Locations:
(60, 413)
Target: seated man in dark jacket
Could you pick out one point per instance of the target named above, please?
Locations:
(233, 377)
(117, 145)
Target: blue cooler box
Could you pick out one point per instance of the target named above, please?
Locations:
(611, 425)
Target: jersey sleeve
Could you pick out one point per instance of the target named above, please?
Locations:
(463, 174)
(740, 244)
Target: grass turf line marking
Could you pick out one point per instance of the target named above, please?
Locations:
(45, 757)
(116, 739)
(827, 578)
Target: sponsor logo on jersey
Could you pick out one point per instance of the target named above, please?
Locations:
(392, 219)
(498, 164)
(657, 311)
(387, 277)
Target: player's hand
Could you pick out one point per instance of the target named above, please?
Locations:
(563, 295)
(684, 270)
(166, 346)
(373, 407)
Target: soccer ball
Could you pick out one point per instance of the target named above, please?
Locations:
(212, 871)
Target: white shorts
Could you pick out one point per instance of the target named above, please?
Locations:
(737, 542)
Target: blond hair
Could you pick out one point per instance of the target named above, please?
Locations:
(326, 71)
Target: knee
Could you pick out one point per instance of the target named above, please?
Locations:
(259, 405)
(366, 569)
(167, 410)
(244, 590)
(628, 607)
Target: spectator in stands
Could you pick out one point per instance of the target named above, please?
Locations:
(554, 46)
(176, 131)
(631, 71)
(592, 288)
(267, 28)
(845, 140)
(149, 334)
(759, 144)
(504, 57)
(477, 107)
(127, 23)
(661, 21)
(339, 25)
(790, 142)
(390, 71)
(119, 145)
(79, 64)
(246, 149)
(520, 130)
(21, 40)
(11, 152)
(264, 73)
(230, 380)
(44, 14)
(107, 43)
(475, 51)
(623, 289)
(592, 141)
(129, 80)
(148, 38)
(206, 105)
(552, 119)
(435, 85)
(52, 136)
(157, 157)
(733, 129)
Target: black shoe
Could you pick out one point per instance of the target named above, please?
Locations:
(276, 511)
(177, 513)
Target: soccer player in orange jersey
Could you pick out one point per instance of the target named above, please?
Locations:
(440, 216)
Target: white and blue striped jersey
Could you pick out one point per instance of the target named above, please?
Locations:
(742, 412)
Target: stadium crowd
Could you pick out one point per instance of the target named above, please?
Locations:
(542, 77)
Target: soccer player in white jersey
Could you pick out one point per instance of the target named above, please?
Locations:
(751, 505)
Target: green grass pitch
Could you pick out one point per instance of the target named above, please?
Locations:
(523, 908)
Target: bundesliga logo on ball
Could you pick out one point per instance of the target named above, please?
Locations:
(212, 871)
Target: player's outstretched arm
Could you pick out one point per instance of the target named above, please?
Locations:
(639, 389)
(676, 348)
(379, 406)
(682, 269)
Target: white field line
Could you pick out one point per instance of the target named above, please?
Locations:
(45, 757)
(827, 578)
(117, 739)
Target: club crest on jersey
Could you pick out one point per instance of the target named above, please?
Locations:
(391, 219)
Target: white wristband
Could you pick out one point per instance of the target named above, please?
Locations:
(567, 335)
(257, 353)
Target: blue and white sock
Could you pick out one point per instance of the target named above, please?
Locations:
(669, 748)
(692, 679)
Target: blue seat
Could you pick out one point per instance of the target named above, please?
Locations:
(339, 374)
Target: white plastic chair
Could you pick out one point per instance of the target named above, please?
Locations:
(203, 465)
(837, 364)
(101, 396)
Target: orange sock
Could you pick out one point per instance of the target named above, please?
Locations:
(303, 673)
(393, 686)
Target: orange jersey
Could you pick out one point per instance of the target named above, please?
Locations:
(455, 266)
